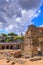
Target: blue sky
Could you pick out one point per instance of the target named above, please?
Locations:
(15, 16)
(39, 20)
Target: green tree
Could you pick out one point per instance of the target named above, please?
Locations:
(3, 36)
(19, 38)
(12, 35)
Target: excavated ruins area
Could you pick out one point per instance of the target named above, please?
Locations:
(12, 57)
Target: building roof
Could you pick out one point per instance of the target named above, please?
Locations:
(10, 43)
(32, 28)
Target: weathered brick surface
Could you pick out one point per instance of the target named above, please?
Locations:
(33, 39)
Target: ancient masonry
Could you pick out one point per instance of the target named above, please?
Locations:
(33, 39)
(14, 45)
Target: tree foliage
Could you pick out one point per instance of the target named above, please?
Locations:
(10, 37)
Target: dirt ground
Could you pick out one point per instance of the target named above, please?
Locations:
(5, 59)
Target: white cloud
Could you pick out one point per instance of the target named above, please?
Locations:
(7, 0)
(14, 17)
(18, 19)
(37, 14)
(0, 25)
(20, 24)
(41, 26)
(30, 4)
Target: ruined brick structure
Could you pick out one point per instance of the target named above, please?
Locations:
(32, 40)
(14, 45)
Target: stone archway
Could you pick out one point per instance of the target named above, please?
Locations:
(3, 47)
(7, 47)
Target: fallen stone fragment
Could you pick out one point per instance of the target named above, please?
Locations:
(12, 63)
(35, 58)
(8, 61)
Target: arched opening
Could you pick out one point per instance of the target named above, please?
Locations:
(3, 47)
(11, 47)
(7, 47)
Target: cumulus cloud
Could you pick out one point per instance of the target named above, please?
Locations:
(41, 26)
(16, 15)
(30, 4)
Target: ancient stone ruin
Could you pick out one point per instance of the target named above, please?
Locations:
(12, 46)
(32, 44)
(33, 41)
